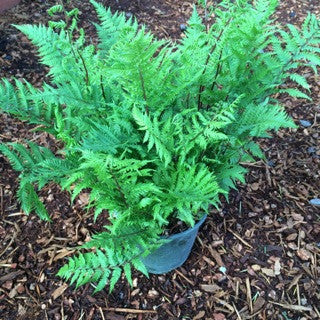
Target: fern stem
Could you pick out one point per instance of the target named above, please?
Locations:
(102, 89)
(143, 89)
(66, 17)
(85, 67)
(202, 87)
(219, 67)
(119, 188)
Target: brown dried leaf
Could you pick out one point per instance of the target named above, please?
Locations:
(181, 301)
(258, 304)
(209, 261)
(255, 186)
(134, 292)
(63, 254)
(7, 285)
(152, 293)
(13, 292)
(210, 287)
(304, 254)
(295, 281)
(200, 315)
(292, 246)
(218, 316)
(268, 272)
(84, 198)
(114, 316)
(292, 237)
(297, 216)
(59, 291)
(255, 267)
(215, 254)
(20, 289)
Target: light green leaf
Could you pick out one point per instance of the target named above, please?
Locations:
(116, 274)
(127, 272)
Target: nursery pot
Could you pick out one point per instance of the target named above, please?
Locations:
(7, 4)
(173, 253)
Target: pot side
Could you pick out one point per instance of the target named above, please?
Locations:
(174, 253)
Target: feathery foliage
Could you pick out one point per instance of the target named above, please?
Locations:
(154, 130)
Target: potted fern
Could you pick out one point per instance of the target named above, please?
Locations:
(155, 130)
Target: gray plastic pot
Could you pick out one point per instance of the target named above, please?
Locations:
(174, 253)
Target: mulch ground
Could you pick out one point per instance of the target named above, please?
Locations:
(256, 258)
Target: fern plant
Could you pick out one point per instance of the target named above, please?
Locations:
(155, 130)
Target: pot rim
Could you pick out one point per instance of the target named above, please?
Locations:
(186, 232)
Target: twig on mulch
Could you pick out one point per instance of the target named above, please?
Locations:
(292, 307)
(126, 310)
(242, 240)
(9, 244)
(184, 277)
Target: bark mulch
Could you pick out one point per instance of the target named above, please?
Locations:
(256, 258)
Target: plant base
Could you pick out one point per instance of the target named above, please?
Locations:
(173, 254)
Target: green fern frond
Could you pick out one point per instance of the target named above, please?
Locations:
(258, 119)
(152, 134)
(300, 80)
(295, 93)
(150, 129)
(12, 157)
(30, 201)
(55, 49)
(111, 27)
(229, 174)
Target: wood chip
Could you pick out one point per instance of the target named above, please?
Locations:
(84, 198)
(292, 307)
(277, 267)
(210, 287)
(258, 304)
(184, 277)
(249, 296)
(268, 272)
(11, 275)
(304, 254)
(214, 253)
(62, 254)
(295, 281)
(152, 294)
(255, 267)
(292, 237)
(200, 315)
(225, 304)
(218, 316)
(242, 240)
(209, 261)
(127, 310)
(255, 186)
(59, 291)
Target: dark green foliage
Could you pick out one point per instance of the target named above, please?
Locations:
(155, 130)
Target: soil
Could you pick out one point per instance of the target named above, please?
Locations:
(256, 258)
